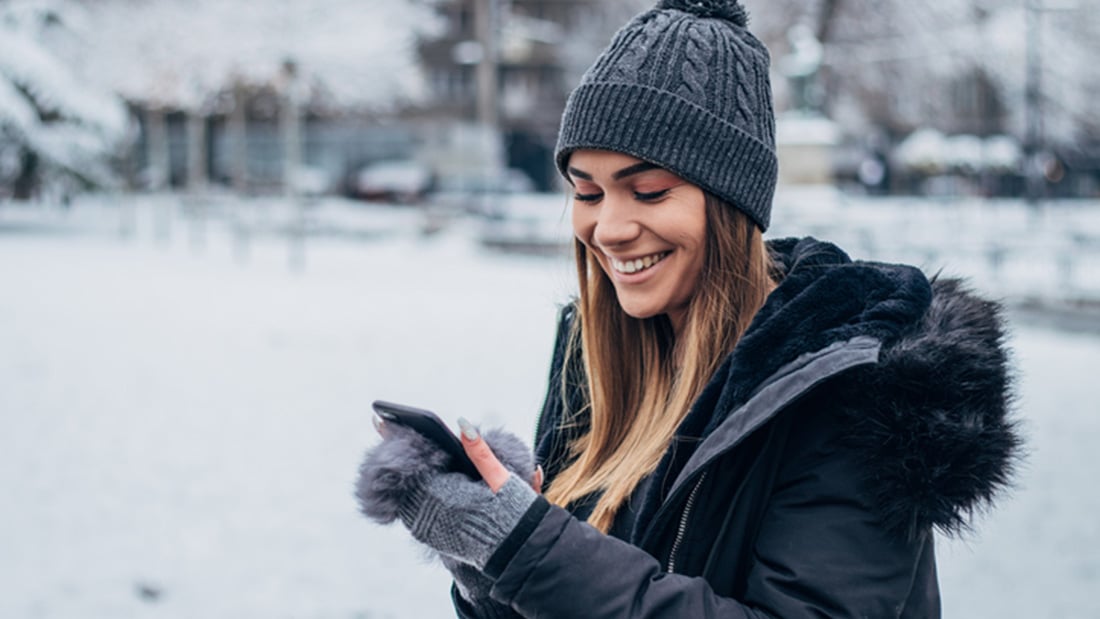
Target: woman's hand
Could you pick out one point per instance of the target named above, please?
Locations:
(406, 468)
(492, 470)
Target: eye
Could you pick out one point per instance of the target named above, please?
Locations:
(650, 196)
(587, 197)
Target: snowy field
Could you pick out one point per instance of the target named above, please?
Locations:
(183, 407)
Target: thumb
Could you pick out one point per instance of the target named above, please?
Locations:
(492, 471)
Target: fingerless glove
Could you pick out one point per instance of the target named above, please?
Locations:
(464, 519)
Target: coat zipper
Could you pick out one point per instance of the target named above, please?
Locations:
(682, 529)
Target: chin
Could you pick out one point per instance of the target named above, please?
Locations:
(641, 313)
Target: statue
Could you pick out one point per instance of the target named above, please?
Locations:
(801, 67)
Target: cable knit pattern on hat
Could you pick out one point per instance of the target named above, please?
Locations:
(695, 67)
(625, 65)
(684, 86)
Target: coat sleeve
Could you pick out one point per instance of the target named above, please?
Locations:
(820, 552)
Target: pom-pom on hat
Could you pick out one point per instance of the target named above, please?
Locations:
(684, 86)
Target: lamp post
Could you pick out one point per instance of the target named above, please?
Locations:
(1035, 159)
(290, 123)
(1033, 173)
(486, 22)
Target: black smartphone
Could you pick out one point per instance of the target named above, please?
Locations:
(429, 425)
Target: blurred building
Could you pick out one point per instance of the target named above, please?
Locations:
(242, 144)
(527, 47)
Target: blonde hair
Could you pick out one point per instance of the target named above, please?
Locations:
(641, 381)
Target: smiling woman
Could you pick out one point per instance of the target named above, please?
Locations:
(644, 226)
(732, 428)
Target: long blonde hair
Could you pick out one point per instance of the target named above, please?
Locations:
(641, 381)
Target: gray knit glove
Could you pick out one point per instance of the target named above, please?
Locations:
(472, 583)
(473, 587)
(464, 519)
(405, 476)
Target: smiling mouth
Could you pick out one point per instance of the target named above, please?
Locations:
(638, 264)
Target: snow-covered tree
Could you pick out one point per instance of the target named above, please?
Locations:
(904, 64)
(56, 126)
(183, 53)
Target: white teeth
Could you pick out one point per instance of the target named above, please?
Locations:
(638, 264)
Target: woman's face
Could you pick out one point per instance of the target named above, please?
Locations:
(646, 227)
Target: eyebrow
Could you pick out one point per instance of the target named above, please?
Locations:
(637, 168)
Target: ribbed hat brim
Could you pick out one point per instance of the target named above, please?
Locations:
(659, 127)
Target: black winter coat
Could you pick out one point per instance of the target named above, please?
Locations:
(864, 408)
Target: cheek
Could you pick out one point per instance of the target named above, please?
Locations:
(692, 238)
(583, 224)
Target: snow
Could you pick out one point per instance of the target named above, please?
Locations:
(14, 109)
(1002, 152)
(184, 417)
(185, 422)
(929, 150)
(46, 106)
(53, 86)
(799, 128)
(924, 148)
(186, 52)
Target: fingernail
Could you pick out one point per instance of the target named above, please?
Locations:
(468, 429)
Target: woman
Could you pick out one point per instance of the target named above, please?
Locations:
(732, 428)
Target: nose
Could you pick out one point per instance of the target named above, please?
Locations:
(616, 223)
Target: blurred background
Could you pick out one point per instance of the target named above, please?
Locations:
(227, 226)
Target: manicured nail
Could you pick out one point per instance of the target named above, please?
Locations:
(468, 429)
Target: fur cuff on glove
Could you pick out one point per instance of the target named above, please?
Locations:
(400, 464)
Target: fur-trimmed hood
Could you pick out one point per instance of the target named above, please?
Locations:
(931, 419)
(928, 399)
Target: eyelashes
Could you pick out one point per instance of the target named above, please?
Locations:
(648, 196)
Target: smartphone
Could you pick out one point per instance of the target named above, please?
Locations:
(429, 425)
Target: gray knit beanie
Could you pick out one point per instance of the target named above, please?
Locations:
(684, 86)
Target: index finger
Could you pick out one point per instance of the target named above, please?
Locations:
(487, 463)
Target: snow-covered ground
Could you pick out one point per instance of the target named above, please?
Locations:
(183, 407)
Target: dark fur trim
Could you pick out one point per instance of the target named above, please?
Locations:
(823, 297)
(931, 420)
(399, 464)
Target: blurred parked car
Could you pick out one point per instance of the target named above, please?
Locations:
(401, 181)
(478, 193)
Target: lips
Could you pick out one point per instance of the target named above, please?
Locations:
(637, 264)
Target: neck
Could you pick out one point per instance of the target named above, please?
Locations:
(678, 318)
